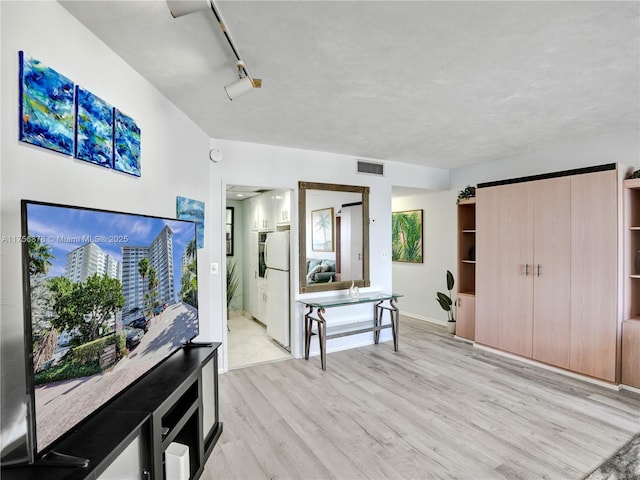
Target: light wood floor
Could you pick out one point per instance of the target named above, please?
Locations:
(436, 409)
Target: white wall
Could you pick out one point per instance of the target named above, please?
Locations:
(174, 162)
(282, 168)
(419, 282)
(623, 147)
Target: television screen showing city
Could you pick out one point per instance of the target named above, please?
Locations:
(111, 296)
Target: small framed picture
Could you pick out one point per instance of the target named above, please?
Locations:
(322, 230)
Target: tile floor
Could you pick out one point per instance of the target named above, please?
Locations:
(249, 344)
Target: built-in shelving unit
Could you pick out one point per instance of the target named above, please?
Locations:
(465, 322)
(630, 361)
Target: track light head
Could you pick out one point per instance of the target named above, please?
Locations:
(239, 87)
(244, 84)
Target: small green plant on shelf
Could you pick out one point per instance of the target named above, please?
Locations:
(468, 192)
(635, 174)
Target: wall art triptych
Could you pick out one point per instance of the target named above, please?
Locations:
(94, 129)
(58, 115)
(46, 106)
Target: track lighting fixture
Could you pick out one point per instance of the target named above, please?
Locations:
(245, 82)
(243, 85)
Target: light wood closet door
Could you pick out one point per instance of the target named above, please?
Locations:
(466, 320)
(593, 274)
(504, 285)
(631, 353)
(552, 271)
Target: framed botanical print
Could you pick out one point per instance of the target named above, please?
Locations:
(406, 240)
(322, 230)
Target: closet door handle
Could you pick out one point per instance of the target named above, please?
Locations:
(539, 270)
(526, 269)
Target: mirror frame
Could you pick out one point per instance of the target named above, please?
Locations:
(302, 229)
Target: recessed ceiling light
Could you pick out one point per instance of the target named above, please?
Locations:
(239, 194)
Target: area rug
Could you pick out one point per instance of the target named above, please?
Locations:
(623, 465)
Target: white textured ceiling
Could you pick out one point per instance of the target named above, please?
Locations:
(443, 84)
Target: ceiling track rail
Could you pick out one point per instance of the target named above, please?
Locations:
(256, 82)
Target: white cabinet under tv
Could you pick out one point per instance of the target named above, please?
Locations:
(176, 402)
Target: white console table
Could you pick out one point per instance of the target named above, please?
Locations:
(316, 310)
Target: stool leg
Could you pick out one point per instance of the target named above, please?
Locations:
(307, 337)
(395, 323)
(322, 338)
(308, 324)
(377, 321)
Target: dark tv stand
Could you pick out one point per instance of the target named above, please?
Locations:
(189, 345)
(55, 459)
(175, 402)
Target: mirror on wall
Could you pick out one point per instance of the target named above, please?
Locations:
(334, 236)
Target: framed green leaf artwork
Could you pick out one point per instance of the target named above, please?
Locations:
(407, 233)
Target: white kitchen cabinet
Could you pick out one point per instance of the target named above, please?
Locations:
(262, 212)
(282, 207)
(252, 292)
(262, 301)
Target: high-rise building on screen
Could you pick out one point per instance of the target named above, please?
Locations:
(89, 260)
(160, 256)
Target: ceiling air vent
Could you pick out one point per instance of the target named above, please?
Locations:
(369, 168)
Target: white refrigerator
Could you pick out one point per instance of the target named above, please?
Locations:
(276, 255)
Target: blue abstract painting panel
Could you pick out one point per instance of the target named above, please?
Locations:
(189, 209)
(94, 129)
(126, 144)
(46, 106)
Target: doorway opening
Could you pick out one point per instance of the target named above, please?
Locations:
(258, 314)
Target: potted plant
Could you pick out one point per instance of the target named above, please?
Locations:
(446, 303)
(468, 192)
(232, 284)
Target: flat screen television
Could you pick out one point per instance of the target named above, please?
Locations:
(108, 297)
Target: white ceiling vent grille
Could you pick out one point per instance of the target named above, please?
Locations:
(370, 168)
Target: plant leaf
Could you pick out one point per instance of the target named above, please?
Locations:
(450, 281)
(444, 301)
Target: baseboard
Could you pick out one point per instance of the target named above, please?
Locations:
(424, 319)
(462, 339)
(630, 388)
